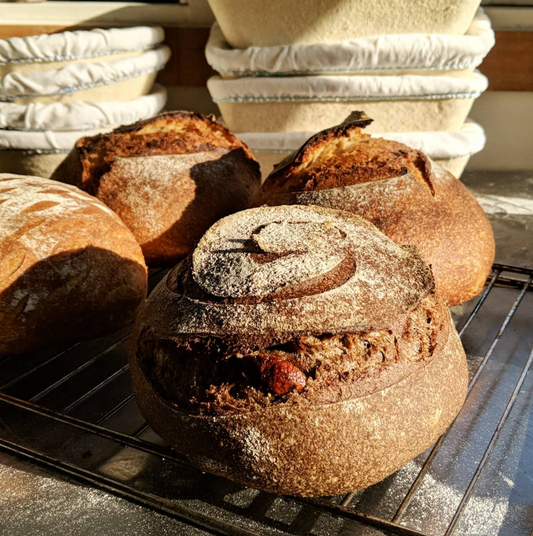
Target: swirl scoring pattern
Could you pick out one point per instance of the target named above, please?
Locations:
(276, 271)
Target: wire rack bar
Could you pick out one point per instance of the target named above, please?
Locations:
(207, 522)
(512, 268)
(96, 388)
(349, 513)
(141, 429)
(118, 437)
(117, 408)
(499, 335)
(37, 367)
(169, 454)
(436, 448)
(490, 448)
(179, 512)
(480, 302)
(77, 370)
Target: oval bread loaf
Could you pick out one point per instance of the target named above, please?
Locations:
(69, 268)
(298, 351)
(169, 178)
(406, 195)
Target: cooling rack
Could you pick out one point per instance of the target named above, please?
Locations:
(73, 412)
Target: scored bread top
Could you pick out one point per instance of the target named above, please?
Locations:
(344, 155)
(167, 133)
(268, 273)
(37, 215)
(406, 195)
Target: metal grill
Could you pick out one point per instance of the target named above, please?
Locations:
(73, 411)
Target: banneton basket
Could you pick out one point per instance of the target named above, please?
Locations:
(48, 52)
(24, 152)
(81, 115)
(121, 80)
(407, 103)
(248, 23)
(38, 152)
(385, 54)
(452, 150)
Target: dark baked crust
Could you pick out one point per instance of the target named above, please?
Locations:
(169, 178)
(167, 133)
(408, 197)
(279, 390)
(321, 450)
(204, 376)
(69, 268)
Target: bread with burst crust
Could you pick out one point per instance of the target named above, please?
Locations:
(298, 351)
(69, 268)
(405, 194)
(169, 178)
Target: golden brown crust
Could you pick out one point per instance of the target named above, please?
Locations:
(409, 198)
(169, 178)
(167, 133)
(69, 268)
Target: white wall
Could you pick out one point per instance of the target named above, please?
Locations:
(507, 117)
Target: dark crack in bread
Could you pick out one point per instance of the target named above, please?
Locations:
(169, 178)
(400, 190)
(298, 351)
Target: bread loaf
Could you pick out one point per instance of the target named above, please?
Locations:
(69, 268)
(298, 351)
(169, 178)
(405, 194)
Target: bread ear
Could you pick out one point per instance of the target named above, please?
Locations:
(406, 195)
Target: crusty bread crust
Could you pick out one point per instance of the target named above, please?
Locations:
(169, 178)
(167, 133)
(408, 197)
(323, 450)
(265, 276)
(69, 268)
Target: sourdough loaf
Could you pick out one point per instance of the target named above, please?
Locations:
(406, 195)
(298, 351)
(69, 268)
(168, 178)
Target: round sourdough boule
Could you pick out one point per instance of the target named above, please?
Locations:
(168, 178)
(298, 351)
(69, 268)
(406, 195)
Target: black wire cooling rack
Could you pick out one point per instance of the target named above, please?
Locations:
(73, 412)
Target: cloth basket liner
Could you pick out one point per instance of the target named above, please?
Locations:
(365, 54)
(343, 88)
(77, 45)
(81, 115)
(78, 76)
(48, 141)
(442, 145)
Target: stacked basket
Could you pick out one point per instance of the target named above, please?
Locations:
(57, 88)
(284, 77)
